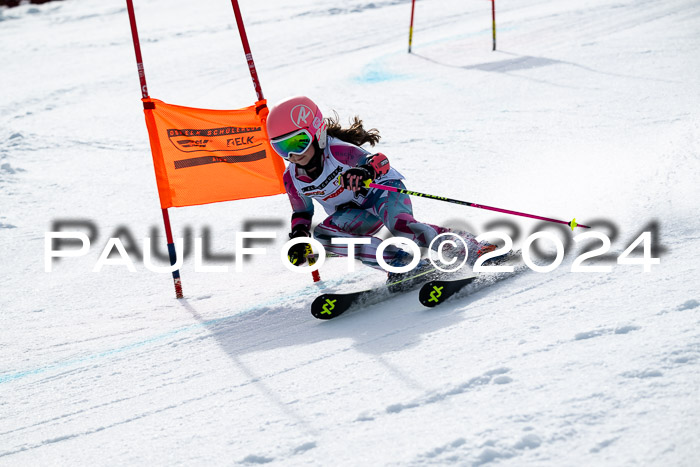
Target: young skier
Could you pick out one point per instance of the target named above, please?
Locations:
(328, 164)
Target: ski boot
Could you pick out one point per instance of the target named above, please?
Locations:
(398, 281)
(455, 249)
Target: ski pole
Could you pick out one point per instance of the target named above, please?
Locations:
(493, 22)
(572, 223)
(410, 28)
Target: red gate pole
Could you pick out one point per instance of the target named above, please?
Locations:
(246, 50)
(410, 27)
(144, 93)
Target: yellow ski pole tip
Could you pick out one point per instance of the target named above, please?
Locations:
(573, 224)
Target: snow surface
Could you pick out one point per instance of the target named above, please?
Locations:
(588, 109)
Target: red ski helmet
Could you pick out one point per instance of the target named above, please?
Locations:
(293, 124)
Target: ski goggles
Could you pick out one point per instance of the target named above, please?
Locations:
(292, 143)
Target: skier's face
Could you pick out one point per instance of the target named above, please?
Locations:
(304, 158)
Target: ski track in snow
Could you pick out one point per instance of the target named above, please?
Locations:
(585, 109)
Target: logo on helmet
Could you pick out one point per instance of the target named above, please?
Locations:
(300, 115)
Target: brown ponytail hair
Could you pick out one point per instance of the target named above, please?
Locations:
(355, 134)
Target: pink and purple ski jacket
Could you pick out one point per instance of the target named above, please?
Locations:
(353, 214)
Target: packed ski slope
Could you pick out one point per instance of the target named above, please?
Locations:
(587, 110)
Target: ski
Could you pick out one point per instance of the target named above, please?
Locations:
(437, 291)
(332, 305)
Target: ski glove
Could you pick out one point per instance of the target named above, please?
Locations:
(297, 253)
(375, 166)
(353, 179)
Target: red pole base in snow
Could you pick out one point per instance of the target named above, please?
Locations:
(172, 253)
(178, 288)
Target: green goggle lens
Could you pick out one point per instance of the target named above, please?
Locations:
(293, 144)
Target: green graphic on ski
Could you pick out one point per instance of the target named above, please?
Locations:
(437, 291)
(331, 305)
